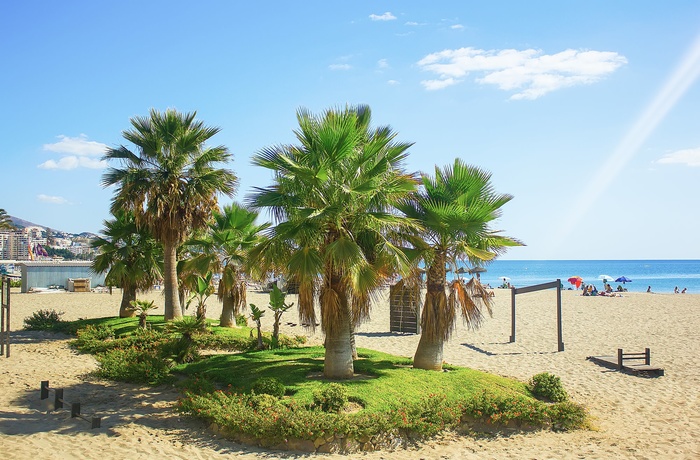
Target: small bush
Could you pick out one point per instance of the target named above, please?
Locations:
(241, 320)
(332, 398)
(94, 339)
(43, 320)
(568, 415)
(264, 401)
(133, 365)
(548, 386)
(269, 386)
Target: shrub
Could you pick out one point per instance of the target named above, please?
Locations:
(94, 339)
(332, 398)
(568, 415)
(43, 320)
(548, 386)
(269, 386)
(241, 320)
(133, 365)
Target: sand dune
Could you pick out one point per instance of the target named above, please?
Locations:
(636, 417)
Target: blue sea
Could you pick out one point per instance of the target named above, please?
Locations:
(662, 275)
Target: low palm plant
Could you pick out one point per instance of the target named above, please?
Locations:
(278, 307)
(184, 348)
(142, 307)
(256, 314)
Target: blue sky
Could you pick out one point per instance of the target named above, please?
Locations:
(586, 112)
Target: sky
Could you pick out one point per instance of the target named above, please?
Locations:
(587, 112)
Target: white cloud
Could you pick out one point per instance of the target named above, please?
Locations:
(52, 199)
(529, 73)
(383, 64)
(432, 85)
(689, 157)
(411, 23)
(340, 67)
(393, 82)
(76, 146)
(457, 26)
(73, 162)
(79, 152)
(382, 17)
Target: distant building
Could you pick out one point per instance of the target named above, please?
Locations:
(52, 273)
(15, 245)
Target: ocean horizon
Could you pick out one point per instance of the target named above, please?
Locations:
(662, 275)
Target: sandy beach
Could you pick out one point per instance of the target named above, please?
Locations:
(636, 418)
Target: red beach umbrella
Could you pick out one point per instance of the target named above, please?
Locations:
(576, 281)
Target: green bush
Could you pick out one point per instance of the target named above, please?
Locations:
(568, 415)
(241, 320)
(331, 398)
(269, 386)
(548, 386)
(94, 339)
(133, 365)
(43, 320)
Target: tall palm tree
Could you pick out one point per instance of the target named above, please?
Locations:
(170, 183)
(5, 221)
(232, 234)
(332, 200)
(455, 209)
(130, 256)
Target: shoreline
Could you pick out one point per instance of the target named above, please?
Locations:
(635, 417)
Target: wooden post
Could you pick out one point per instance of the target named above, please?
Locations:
(44, 389)
(58, 399)
(647, 356)
(559, 330)
(512, 315)
(5, 316)
(619, 359)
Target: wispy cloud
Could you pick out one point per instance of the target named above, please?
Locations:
(411, 23)
(688, 157)
(530, 73)
(79, 152)
(382, 17)
(393, 82)
(340, 67)
(457, 27)
(382, 64)
(51, 199)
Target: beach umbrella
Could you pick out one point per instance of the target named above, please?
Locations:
(461, 270)
(576, 281)
(605, 278)
(623, 280)
(473, 270)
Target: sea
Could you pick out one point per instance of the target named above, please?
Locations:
(662, 275)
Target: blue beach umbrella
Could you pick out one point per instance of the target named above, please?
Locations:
(623, 280)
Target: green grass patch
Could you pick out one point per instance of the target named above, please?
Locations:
(387, 400)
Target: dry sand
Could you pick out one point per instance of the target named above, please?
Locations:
(636, 417)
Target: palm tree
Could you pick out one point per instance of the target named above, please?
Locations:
(5, 221)
(455, 209)
(170, 184)
(130, 256)
(332, 198)
(232, 234)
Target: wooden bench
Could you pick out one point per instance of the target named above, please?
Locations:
(621, 362)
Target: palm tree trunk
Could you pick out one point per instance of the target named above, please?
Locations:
(436, 320)
(338, 359)
(125, 309)
(227, 313)
(428, 354)
(172, 300)
(338, 362)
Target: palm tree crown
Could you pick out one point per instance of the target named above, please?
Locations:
(171, 183)
(5, 221)
(332, 198)
(130, 256)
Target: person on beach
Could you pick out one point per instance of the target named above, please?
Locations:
(684, 290)
(676, 291)
(649, 289)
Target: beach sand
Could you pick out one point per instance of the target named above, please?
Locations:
(636, 417)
